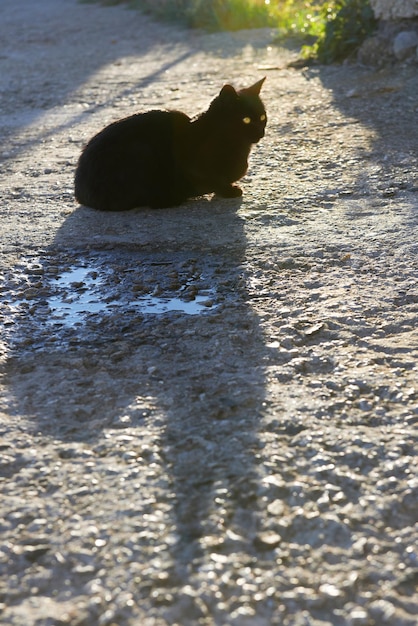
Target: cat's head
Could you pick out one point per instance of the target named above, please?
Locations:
(243, 109)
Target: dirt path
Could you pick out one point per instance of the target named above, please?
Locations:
(208, 414)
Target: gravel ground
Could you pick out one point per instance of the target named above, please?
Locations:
(208, 413)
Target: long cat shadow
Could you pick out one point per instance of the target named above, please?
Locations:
(98, 358)
(185, 384)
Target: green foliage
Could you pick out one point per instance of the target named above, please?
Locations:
(346, 24)
(301, 20)
(213, 14)
(338, 27)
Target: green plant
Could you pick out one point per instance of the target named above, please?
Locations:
(338, 27)
(346, 24)
(213, 14)
(299, 19)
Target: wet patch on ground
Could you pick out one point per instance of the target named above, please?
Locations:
(55, 300)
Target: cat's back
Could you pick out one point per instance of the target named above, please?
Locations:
(151, 126)
(123, 165)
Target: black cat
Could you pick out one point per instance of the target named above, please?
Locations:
(161, 158)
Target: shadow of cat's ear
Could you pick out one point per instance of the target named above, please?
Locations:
(228, 91)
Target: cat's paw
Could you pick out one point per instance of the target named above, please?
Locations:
(231, 191)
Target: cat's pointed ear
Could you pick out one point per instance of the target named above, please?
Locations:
(256, 88)
(228, 91)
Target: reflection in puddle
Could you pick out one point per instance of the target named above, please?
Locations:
(72, 313)
(77, 298)
(151, 304)
(83, 293)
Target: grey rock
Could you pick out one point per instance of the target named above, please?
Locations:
(405, 44)
(390, 10)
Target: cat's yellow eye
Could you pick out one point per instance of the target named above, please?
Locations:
(246, 120)
(262, 118)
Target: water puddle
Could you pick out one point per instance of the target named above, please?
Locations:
(157, 306)
(48, 301)
(76, 296)
(82, 292)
